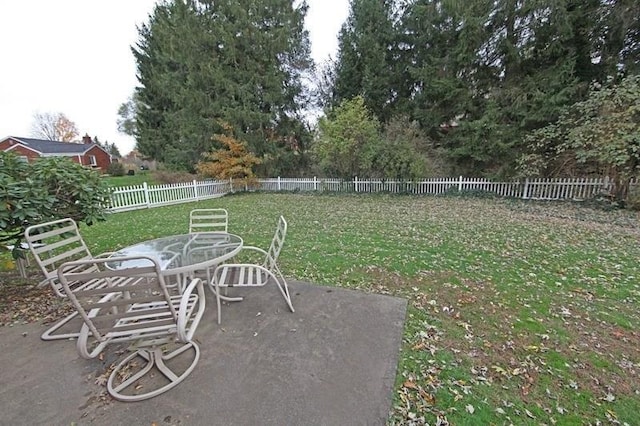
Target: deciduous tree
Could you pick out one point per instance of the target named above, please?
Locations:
(349, 141)
(127, 116)
(54, 127)
(231, 161)
(600, 134)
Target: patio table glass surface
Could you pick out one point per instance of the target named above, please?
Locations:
(183, 254)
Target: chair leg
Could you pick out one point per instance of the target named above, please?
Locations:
(48, 334)
(215, 288)
(123, 389)
(284, 289)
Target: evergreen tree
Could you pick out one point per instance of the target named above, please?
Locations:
(205, 62)
(364, 65)
(484, 73)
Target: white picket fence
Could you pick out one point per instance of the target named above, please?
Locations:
(147, 196)
(535, 189)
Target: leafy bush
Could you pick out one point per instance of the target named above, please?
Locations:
(48, 189)
(633, 199)
(164, 176)
(116, 169)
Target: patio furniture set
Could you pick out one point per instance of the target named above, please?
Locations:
(150, 294)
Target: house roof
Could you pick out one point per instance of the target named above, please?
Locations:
(53, 147)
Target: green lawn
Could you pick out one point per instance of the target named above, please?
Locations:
(519, 312)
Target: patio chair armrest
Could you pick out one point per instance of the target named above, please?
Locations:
(249, 254)
(104, 255)
(47, 281)
(87, 346)
(253, 248)
(188, 319)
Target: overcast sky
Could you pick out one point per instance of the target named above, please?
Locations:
(74, 57)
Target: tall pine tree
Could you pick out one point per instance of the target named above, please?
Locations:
(202, 63)
(364, 65)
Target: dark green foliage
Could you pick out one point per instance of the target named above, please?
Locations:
(202, 63)
(599, 135)
(365, 59)
(406, 153)
(47, 189)
(480, 75)
(111, 148)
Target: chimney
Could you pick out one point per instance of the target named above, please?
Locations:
(86, 139)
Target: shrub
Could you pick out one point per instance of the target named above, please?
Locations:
(633, 198)
(116, 169)
(173, 177)
(48, 189)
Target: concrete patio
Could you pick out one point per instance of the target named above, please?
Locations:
(332, 362)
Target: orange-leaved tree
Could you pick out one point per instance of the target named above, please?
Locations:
(233, 160)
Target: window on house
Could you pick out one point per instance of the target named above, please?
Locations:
(92, 160)
(23, 158)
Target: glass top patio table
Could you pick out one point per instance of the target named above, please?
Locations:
(183, 254)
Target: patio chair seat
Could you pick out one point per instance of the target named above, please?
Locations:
(253, 274)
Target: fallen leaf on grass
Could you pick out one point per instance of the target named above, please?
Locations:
(409, 384)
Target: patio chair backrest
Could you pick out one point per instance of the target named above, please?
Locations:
(125, 299)
(53, 243)
(276, 244)
(208, 220)
(120, 304)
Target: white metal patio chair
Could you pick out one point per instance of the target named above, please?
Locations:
(52, 244)
(208, 220)
(136, 308)
(253, 275)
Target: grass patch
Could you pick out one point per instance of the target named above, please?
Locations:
(519, 312)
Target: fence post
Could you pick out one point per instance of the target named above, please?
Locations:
(315, 184)
(279, 189)
(355, 183)
(460, 184)
(195, 190)
(146, 194)
(230, 184)
(525, 191)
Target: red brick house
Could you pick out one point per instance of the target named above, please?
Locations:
(86, 153)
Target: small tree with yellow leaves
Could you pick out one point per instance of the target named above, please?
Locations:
(232, 161)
